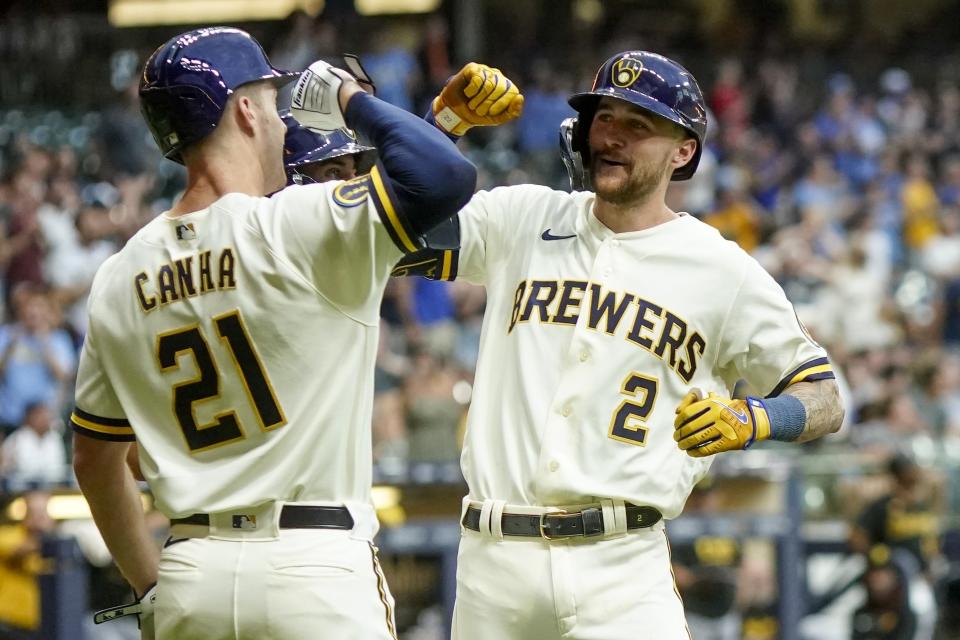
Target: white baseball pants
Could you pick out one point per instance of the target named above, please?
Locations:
(608, 588)
(294, 584)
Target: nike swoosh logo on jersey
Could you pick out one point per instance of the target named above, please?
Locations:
(741, 415)
(546, 235)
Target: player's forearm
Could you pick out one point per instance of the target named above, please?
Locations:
(429, 177)
(821, 401)
(114, 500)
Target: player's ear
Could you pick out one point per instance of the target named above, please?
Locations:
(684, 153)
(245, 109)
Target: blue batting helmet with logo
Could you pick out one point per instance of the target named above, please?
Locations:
(187, 81)
(652, 82)
(303, 146)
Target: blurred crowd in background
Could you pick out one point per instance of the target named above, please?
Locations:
(846, 188)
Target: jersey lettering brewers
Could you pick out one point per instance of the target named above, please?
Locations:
(238, 409)
(591, 338)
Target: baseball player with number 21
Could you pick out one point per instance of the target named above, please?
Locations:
(234, 337)
(614, 332)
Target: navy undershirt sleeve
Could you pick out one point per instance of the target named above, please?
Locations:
(428, 179)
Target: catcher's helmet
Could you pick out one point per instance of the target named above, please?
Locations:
(652, 82)
(303, 146)
(187, 81)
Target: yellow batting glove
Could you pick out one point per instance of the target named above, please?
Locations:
(705, 426)
(478, 96)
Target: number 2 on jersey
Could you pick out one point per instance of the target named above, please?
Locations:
(206, 386)
(629, 419)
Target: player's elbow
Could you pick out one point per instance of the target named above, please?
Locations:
(85, 460)
(436, 190)
(94, 459)
(823, 405)
(828, 409)
(453, 180)
(841, 413)
(84, 466)
(836, 411)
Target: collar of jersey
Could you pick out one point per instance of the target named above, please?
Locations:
(602, 231)
(227, 201)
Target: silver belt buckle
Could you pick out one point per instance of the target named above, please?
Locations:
(543, 523)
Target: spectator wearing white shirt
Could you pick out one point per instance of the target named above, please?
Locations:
(71, 269)
(34, 454)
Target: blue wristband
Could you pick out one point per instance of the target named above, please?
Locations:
(787, 417)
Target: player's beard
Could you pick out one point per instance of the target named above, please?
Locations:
(643, 180)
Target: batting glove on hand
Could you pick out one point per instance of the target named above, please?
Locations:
(478, 96)
(142, 608)
(705, 426)
(316, 97)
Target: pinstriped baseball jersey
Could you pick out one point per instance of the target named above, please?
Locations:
(199, 346)
(591, 338)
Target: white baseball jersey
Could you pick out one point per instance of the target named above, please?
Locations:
(591, 338)
(237, 345)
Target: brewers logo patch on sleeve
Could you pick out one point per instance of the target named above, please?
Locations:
(352, 192)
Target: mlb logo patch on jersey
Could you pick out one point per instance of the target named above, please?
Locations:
(186, 231)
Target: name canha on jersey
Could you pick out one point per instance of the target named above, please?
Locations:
(236, 344)
(591, 338)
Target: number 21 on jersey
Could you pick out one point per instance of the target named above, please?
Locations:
(205, 386)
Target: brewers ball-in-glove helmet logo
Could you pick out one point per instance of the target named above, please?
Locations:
(626, 71)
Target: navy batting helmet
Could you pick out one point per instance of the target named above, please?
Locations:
(187, 81)
(652, 82)
(304, 146)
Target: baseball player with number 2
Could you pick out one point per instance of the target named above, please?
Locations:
(614, 333)
(234, 337)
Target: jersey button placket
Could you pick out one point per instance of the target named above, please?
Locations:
(608, 258)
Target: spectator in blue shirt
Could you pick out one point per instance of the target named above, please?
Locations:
(37, 359)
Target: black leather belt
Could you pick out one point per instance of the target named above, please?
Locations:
(292, 516)
(588, 522)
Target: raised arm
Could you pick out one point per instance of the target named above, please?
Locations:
(428, 176)
(477, 96)
(420, 169)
